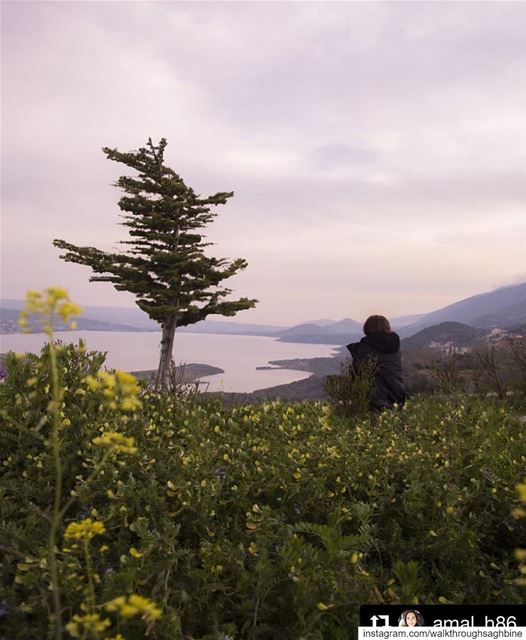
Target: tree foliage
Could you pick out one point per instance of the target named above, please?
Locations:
(164, 265)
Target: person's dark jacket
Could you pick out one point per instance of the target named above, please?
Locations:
(384, 348)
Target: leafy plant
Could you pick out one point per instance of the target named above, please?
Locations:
(43, 438)
(350, 392)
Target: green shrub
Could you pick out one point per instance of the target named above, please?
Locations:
(350, 392)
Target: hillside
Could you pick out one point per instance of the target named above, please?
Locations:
(503, 308)
(404, 321)
(461, 335)
(508, 317)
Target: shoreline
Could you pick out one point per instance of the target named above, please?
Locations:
(309, 388)
(185, 374)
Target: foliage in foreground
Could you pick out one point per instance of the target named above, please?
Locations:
(350, 393)
(198, 520)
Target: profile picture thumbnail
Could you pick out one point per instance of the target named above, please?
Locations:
(411, 618)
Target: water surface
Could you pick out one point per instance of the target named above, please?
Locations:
(237, 355)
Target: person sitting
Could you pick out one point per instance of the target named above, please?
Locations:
(382, 346)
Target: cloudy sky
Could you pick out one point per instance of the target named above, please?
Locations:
(376, 150)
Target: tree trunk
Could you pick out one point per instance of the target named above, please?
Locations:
(167, 342)
(168, 333)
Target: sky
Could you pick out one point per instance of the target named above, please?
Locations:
(377, 150)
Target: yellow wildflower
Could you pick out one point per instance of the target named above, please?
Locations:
(54, 300)
(116, 442)
(69, 309)
(90, 622)
(115, 604)
(521, 490)
(56, 293)
(107, 378)
(125, 378)
(134, 605)
(84, 530)
(91, 382)
(130, 403)
(119, 388)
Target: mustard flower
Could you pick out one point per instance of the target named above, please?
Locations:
(54, 300)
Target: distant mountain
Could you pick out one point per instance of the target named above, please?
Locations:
(301, 330)
(131, 316)
(231, 328)
(404, 321)
(9, 324)
(338, 333)
(504, 307)
(307, 334)
(324, 322)
(8, 303)
(347, 325)
(461, 335)
(507, 317)
(131, 319)
(323, 331)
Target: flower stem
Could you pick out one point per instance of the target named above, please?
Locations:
(54, 408)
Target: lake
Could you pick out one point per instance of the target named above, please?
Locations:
(237, 355)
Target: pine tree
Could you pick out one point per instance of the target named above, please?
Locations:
(164, 264)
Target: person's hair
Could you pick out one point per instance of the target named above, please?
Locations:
(376, 324)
